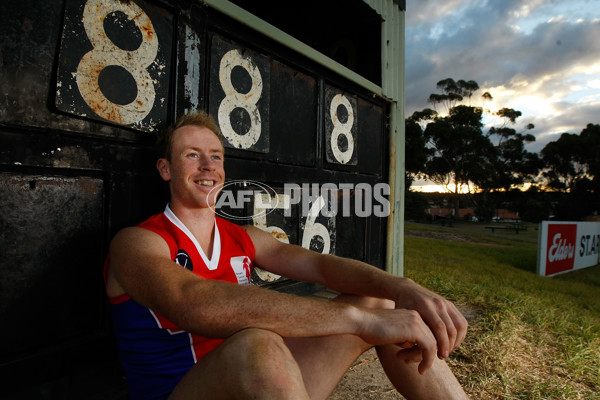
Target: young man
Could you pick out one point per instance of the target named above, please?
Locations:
(189, 327)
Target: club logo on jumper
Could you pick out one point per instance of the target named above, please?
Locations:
(561, 247)
(183, 258)
(241, 267)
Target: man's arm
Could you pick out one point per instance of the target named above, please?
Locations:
(142, 268)
(355, 277)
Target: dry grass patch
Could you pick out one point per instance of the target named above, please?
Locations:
(512, 363)
(531, 337)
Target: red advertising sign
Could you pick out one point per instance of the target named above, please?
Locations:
(560, 256)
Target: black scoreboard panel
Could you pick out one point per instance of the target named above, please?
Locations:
(87, 84)
(115, 62)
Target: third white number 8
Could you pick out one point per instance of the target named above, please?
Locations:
(340, 128)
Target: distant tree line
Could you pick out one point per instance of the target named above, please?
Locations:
(451, 145)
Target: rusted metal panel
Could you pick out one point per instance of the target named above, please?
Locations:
(191, 60)
(42, 150)
(294, 116)
(52, 245)
(133, 197)
(372, 131)
(115, 62)
(28, 35)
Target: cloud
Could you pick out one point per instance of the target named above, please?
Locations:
(542, 56)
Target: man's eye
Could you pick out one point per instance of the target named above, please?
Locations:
(193, 155)
(217, 157)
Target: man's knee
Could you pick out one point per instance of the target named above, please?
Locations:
(254, 344)
(263, 361)
(252, 363)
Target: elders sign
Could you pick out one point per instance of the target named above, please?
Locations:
(567, 246)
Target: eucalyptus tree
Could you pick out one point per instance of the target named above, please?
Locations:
(572, 166)
(415, 147)
(515, 166)
(590, 155)
(573, 158)
(562, 159)
(460, 156)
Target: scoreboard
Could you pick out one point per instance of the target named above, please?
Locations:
(309, 112)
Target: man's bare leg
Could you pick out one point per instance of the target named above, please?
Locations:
(253, 363)
(324, 361)
(438, 382)
(260, 363)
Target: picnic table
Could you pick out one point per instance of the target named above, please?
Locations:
(516, 227)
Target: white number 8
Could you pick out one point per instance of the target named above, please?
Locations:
(106, 53)
(234, 99)
(340, 128)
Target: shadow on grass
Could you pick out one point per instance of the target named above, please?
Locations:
(590, 276)
(521, 258)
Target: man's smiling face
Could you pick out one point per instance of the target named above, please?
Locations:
(196, 170)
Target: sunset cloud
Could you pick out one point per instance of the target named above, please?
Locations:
(540, 57)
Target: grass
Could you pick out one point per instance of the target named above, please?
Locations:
(530, 337)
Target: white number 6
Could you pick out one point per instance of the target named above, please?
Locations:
(313, 229)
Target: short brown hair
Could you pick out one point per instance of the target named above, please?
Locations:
(197, 118)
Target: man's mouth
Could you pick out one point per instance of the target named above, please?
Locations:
(206, 183)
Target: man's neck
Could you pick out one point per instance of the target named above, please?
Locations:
(200, 222)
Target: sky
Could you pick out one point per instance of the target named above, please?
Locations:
(540, 57)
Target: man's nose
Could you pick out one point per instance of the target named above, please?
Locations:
(205, 162)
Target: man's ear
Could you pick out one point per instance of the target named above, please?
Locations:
(164, 169)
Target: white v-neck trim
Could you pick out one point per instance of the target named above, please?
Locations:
(211, 264)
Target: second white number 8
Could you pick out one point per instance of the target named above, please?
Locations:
(234, 99)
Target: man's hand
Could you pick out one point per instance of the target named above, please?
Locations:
(448, 325)
(405, 328)
(349, 276)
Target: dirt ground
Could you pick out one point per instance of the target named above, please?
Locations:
(365, 380)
